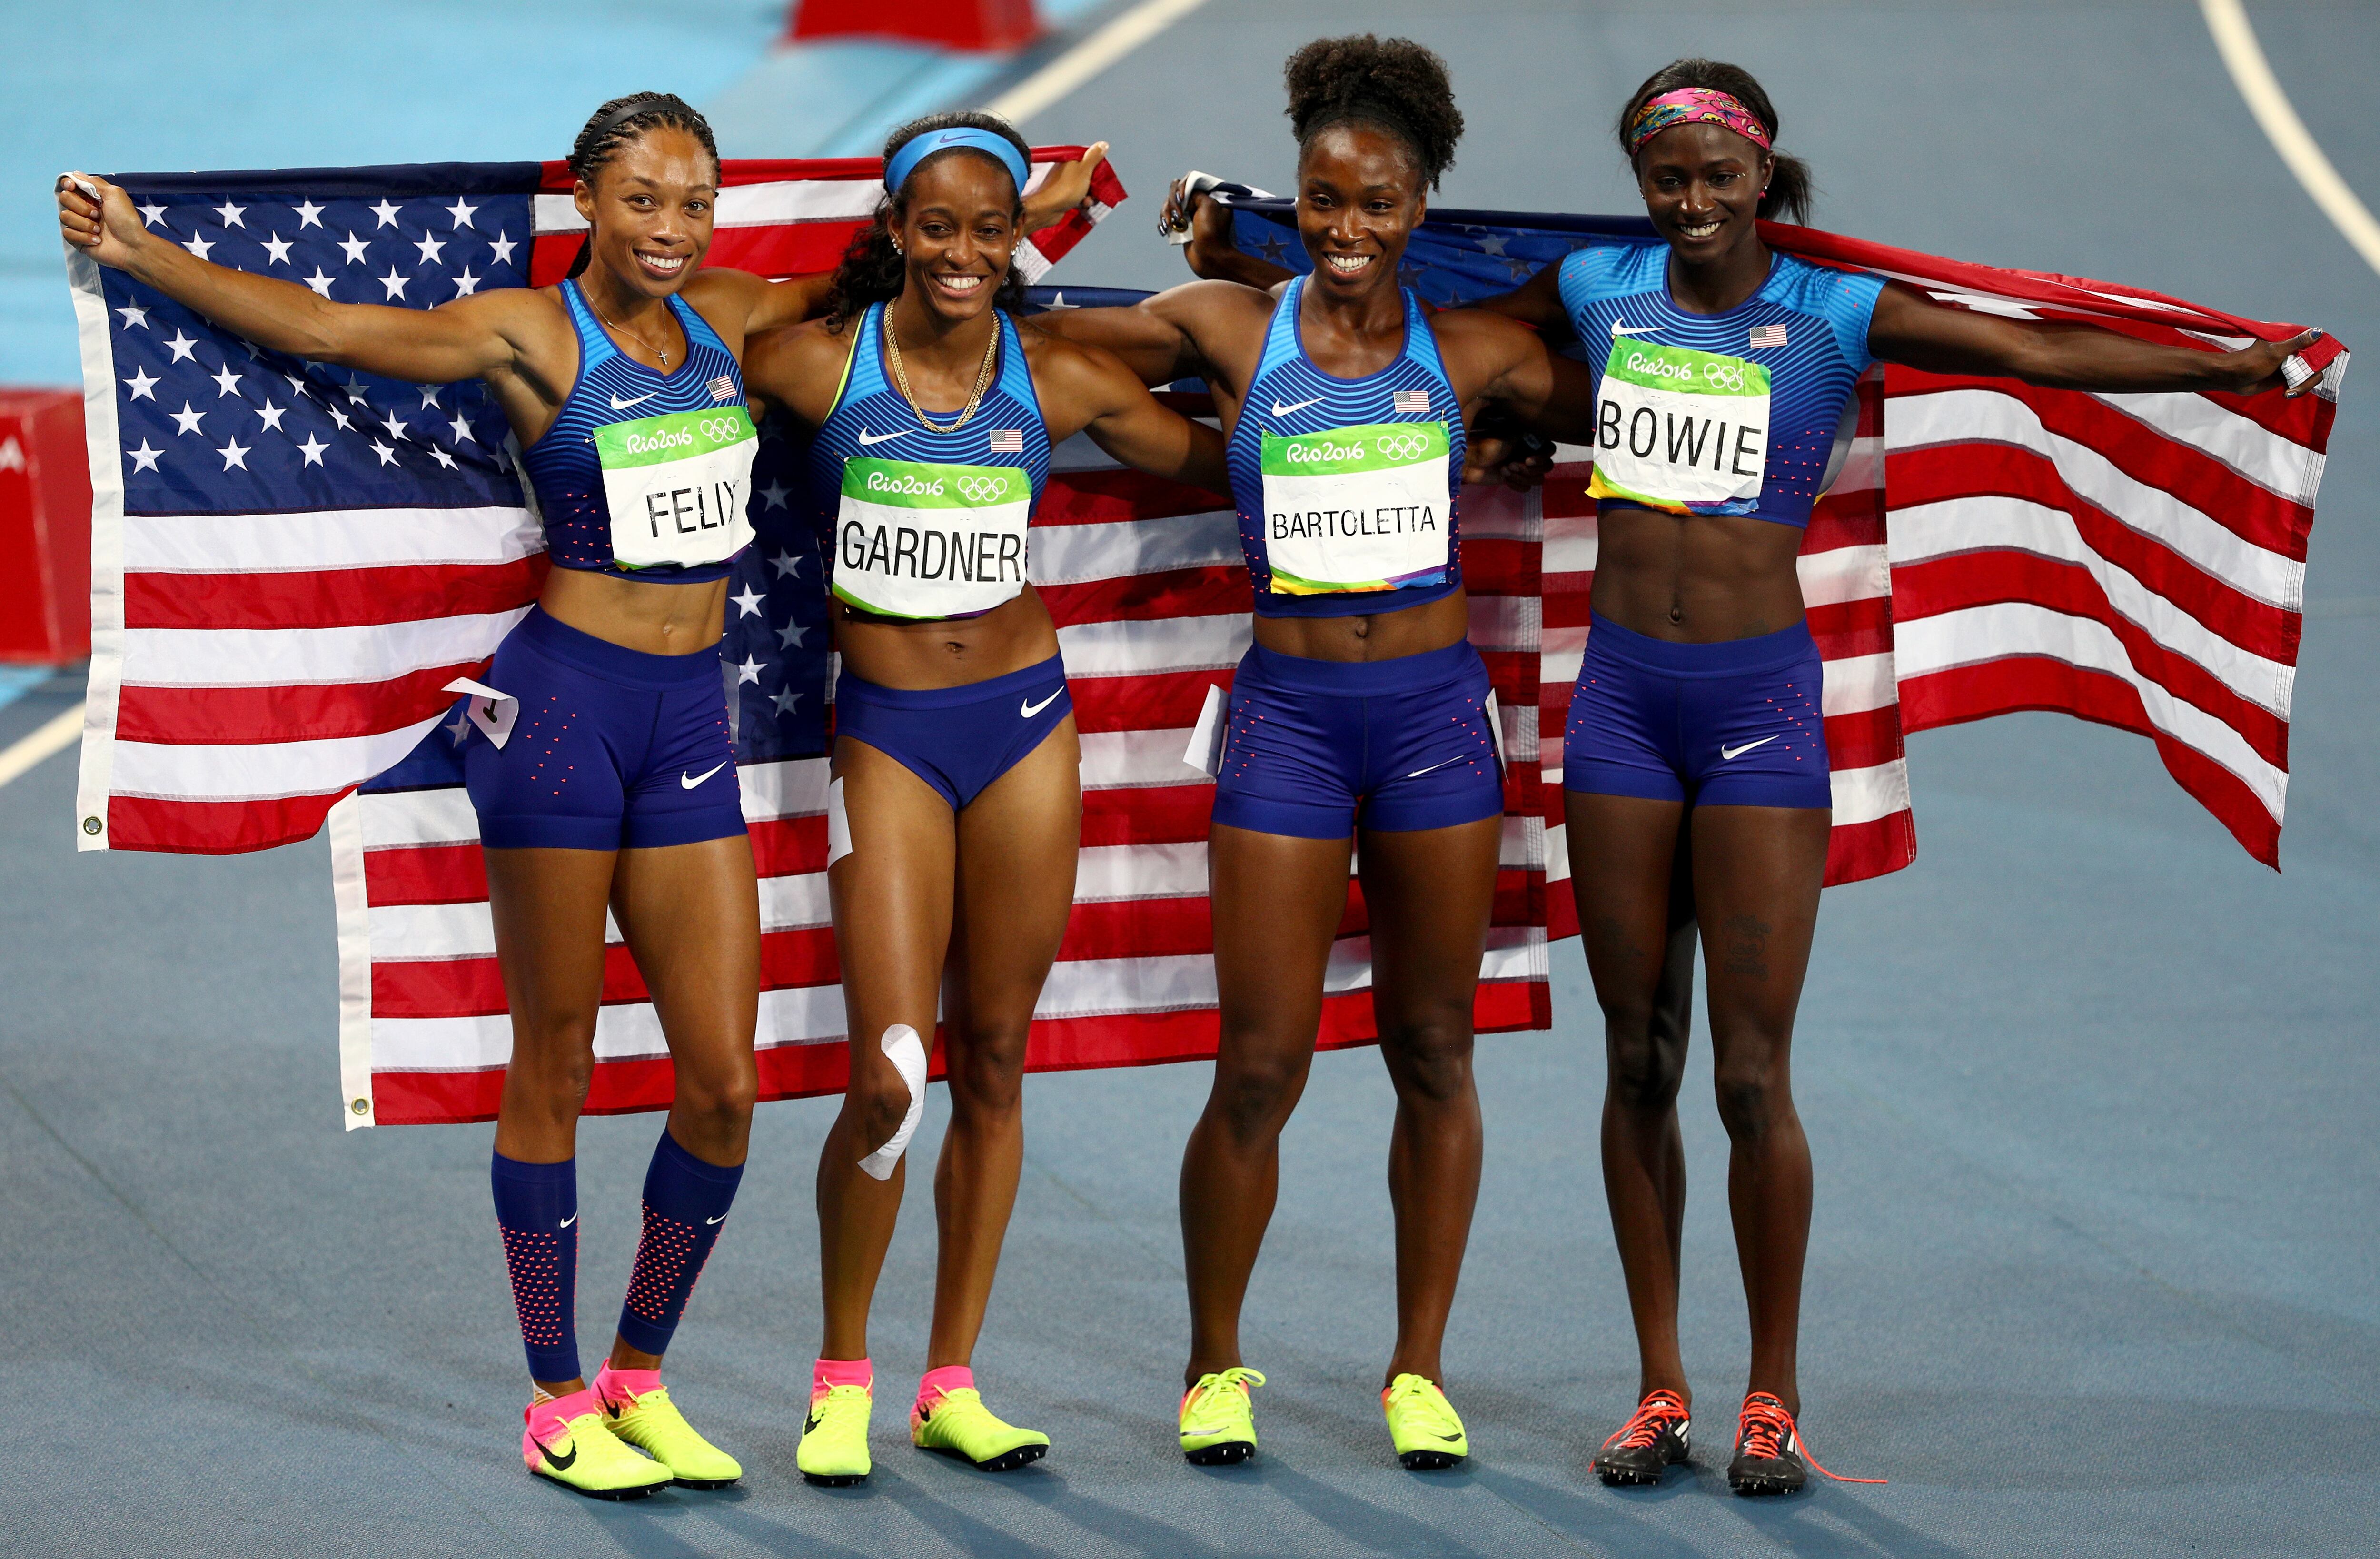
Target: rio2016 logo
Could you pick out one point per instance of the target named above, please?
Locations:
(982, 488)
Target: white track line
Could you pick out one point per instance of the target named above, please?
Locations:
(50, 740)
(2236, 40)
(1090, 56)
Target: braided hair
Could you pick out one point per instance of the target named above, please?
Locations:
(624, 119)
(1790, 187)
(1391, 83)
(872, 269)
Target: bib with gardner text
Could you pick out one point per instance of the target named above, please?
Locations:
(921, 540)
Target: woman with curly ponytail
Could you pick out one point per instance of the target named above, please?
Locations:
(954, 814)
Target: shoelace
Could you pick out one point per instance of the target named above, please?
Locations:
(1410, 1388)
(1765, 1425)
(1237, 1375)
(1656, 1412)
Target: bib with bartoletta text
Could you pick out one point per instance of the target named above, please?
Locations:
(678, 486)
(1356, 508)
(921, 540)
(1681, 430)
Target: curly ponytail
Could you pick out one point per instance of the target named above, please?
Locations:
(1790, 189)
(873, 268)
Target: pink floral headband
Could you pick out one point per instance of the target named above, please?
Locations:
(1691, 105)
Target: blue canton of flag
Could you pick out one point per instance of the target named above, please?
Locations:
(774, 654)
(1455, 257)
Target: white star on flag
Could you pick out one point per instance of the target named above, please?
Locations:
(748, 603)
(234, 453)
(144, 458)
(465, 284)
(395, 283)
(747, 670)
(355, 247)
(226, 381)
(271, 415)
(143, 386)
(320, 282)
(431, 249)
(309, 215)
(429, 394)
(790, 637)
(461, 212)
(231, 215)
(385, 212)
(504, 247)
(187, 419)
(199, 247)
(276, 249)
(296, 384)
(180, 346)
(387, 455)
(355, 388)
(784, 564)
(442, 457)
(153, 214)
(312, 449)
(396, 428)
(341, 418)
(785, 699)
(134, 314)
(774, 493)
(463, 431)
(462, 726)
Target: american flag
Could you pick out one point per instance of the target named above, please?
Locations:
(1007, 441)
(1409, 403)
(2138, 560)
(1766, 338)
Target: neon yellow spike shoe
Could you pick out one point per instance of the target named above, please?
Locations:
(1423, 1424)
(960, 1425)
(638, 1409)
(568, 1442)
(1218, 1422)
(834, 1440)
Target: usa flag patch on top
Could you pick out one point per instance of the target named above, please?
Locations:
(1767, 336)
(1008, 441)
(723, 387)
(1412, 403)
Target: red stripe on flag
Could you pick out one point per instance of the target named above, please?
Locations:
(301, 712)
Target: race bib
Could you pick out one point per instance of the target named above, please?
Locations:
(678, 485)
(923, 541)
(1681, 430)
(1361, 508)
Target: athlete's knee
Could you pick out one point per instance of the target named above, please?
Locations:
(1253, 1095)
(877, 1106)
(986, 1072)
(1645, 1068)
(718, 1097)
(1754, 1093)
(1429, 1060)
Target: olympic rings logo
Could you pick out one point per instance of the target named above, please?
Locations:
(1726, 375)
(722, 429)
(1401, 446)
(982, 488)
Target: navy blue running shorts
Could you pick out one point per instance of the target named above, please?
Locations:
(956, 740)
(612, 748)
(1738, 724)
(1314, 749)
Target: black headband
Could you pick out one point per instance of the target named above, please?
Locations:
(643, 103)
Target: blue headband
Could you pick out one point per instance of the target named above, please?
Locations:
(905, 162)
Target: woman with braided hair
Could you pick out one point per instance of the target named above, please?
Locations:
(603, 771)
(1360, 714)
(955, 813)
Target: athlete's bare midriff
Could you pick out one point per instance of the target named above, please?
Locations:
(1697, 578)
(647, 616)
(1380, 636)
(950, 654)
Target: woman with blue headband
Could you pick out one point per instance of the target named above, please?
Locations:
(955, 812)
(611, 680)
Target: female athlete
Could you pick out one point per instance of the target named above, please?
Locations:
(955, 813)
(1695, 742)
(604, 777)
(1361, 712)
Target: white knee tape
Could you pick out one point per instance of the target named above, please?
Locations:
(838, 825)
(907, 1054)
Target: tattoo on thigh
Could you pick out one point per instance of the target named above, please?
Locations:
(1744, 948)
(1614, 936)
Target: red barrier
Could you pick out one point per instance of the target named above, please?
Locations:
(953, 24)
(44, 527)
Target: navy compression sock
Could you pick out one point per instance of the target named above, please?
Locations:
(685, 1201)
(537, 1209)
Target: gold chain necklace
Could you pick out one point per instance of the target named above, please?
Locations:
(660, 352)
(901, 376)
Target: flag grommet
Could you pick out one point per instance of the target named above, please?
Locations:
(361, 1106)
(90, 825)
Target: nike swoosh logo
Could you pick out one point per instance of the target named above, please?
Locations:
(572, 1218)
(721, 1219)
(866, 437)
(1452, 1439)
(555, 1459)
(1734, 752)
(690, 784)
(1028, 710)
(1280, 410)
(815, 1421)
(1418, 772)
(1636, 329)
(619, 405)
